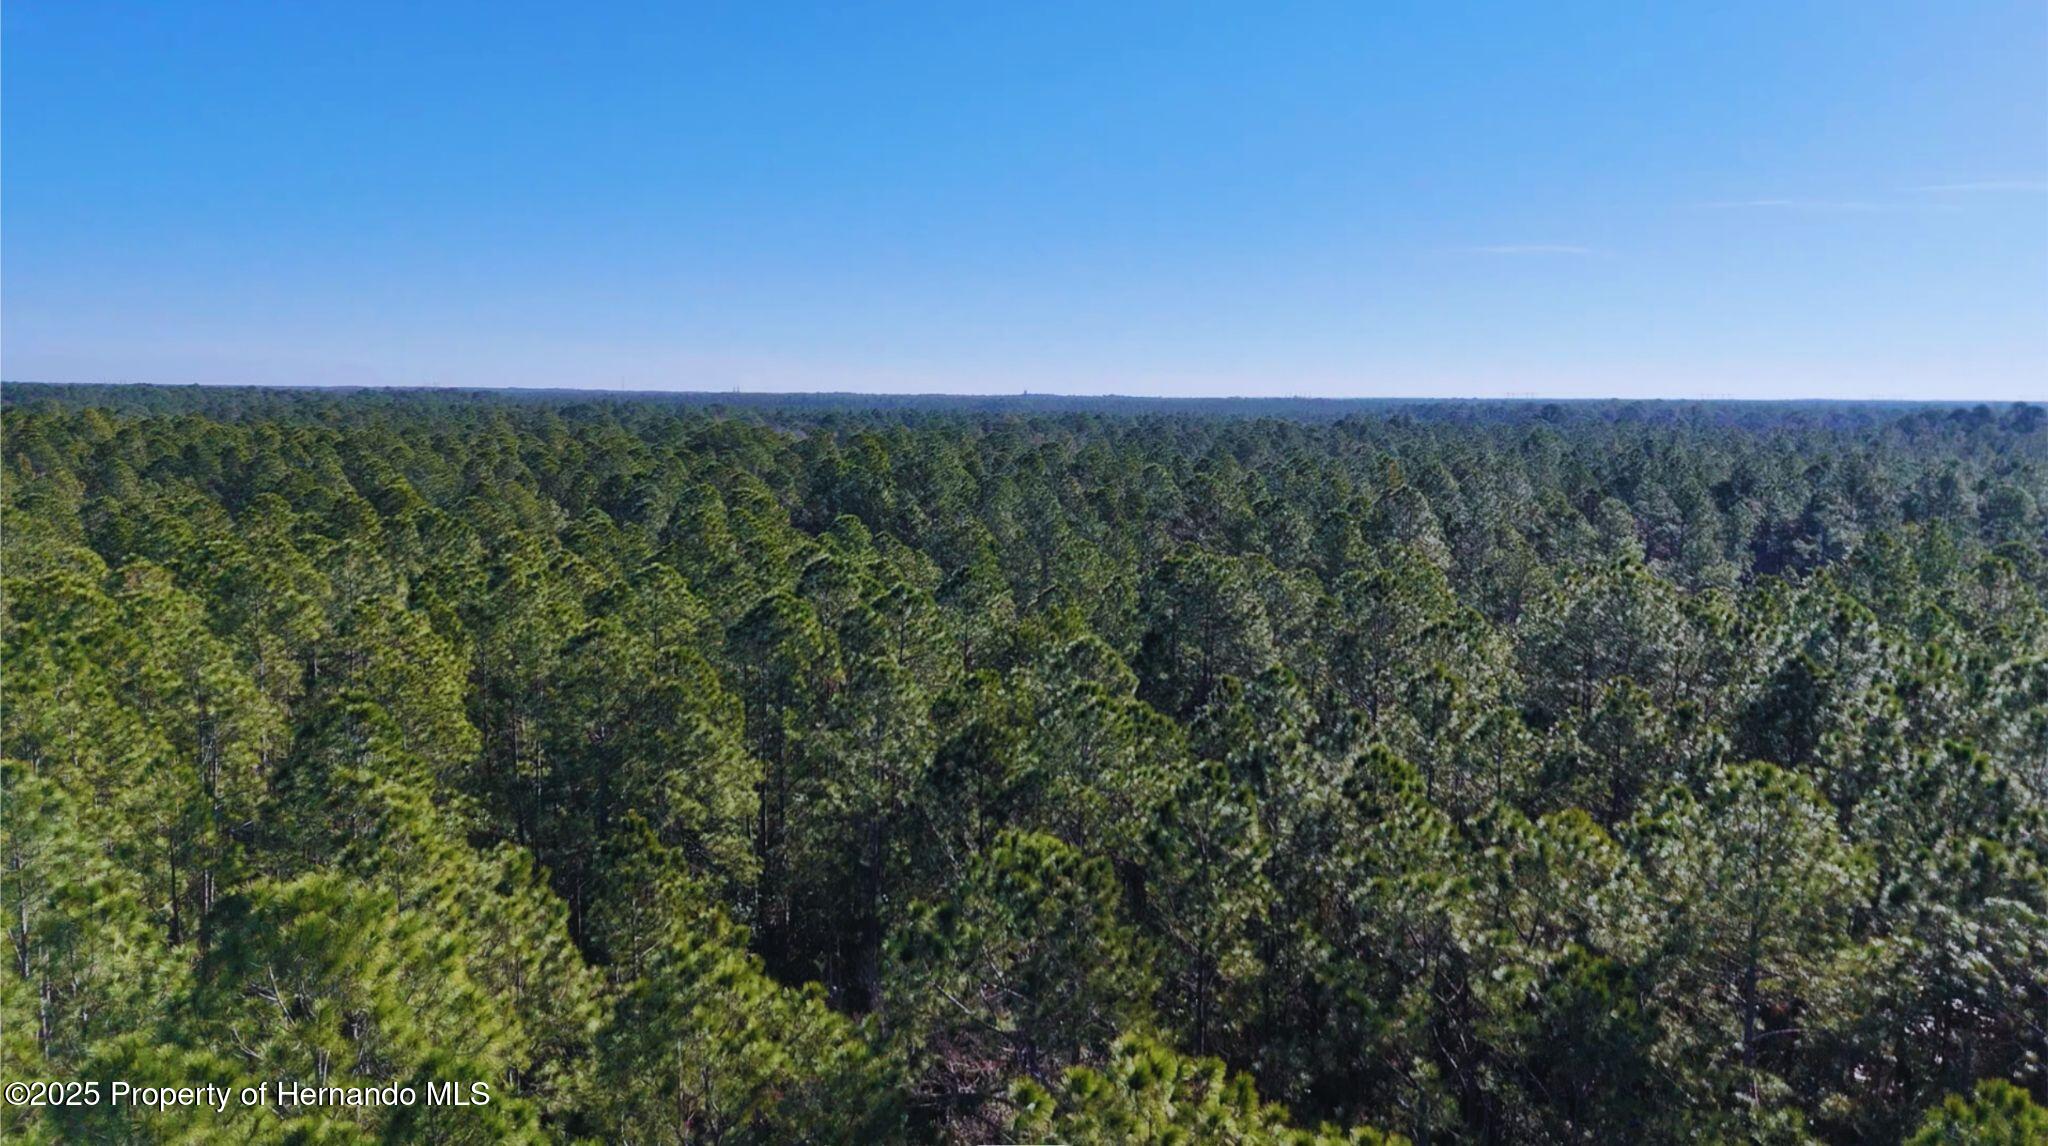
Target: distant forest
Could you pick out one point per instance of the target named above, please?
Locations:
(841, 768)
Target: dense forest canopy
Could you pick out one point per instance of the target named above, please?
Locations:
(732, 768)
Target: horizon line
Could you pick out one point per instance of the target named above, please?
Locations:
(1522, 397)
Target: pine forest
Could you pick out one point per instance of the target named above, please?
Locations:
(729, 768)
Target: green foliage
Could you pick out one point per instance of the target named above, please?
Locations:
(1997, 1113)
(1146, 1092)
(822, 769)
(1755, 888)
(705, 1046)
(1027, 967)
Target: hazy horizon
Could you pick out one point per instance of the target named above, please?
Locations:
(1104, 395)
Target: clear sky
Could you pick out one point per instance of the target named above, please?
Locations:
(1651, 199)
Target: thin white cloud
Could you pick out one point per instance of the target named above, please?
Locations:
(1989, 185)
(1829, 206)
(1572, 249)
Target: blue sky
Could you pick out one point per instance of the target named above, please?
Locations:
(1749, 200)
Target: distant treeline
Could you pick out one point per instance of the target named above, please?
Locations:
(274, 401)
